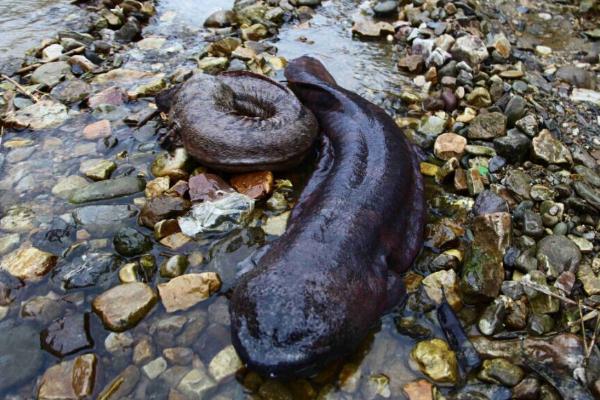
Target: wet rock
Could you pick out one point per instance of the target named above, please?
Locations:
(123, 306)
(71, 91)
(28, 263)
(157, 186)
(174, 166)
(196, 384)
(178, 355)
(501, 371)
(482, 273)
(97, 170)
(103, 215)
(212, 65)
(175, 241)
(576, 76)
(532, 224)
(73, 379)
(97, 130)
(436, 360)
(129, 242)
(515, 110)
(41, 115)
(51, 74)
(218, 216)
(129, 31)
(166, 228)
(276, 225)
(419, 390)
(113, 96)
(480, 392)
(588, 193)
(21, 354)
(154, 368)
(208, 187)
(449, 145)
(225, 364)
(479, 97)
(188, 290)
(174, 266)
(540, 324)
(9, 287)
(487, 126)
(161, 208)
(67, 335)
(385, 7)
(585, 95)
(471, 49)
(527, 389)
(528, 125)
(514, 147)
(371, 29)
(143, 351)
(220, 19)
(18, 219)
(590, 281)
(413, 63)
(519, 183)
(557, 254)
(492, 317)
(122, 384)
(255, 185)
(443, 285)
(88, 270)
(109, 189)
(489, 202)
(551, 150)
(65, 187)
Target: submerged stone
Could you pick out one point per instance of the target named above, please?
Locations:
(109, 189)
(29, 263)
(123, 306)
(188, 290)
(67, 335)
(69, 380)
(41, 115)
(436, 360)
(129, 242)
(93, 269)
(21, 355)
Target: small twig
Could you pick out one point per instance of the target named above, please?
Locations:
(37, 64)
(594, 337)
(585, 347)
(20, 88)
(586, 317)
(546, 291)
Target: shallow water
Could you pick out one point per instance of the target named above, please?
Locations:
(28, 176)
(24, 23)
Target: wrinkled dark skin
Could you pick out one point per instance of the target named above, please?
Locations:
(241, 121)
(322, 286)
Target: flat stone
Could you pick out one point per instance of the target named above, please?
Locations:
(122, 384)
(71, 91)
(208, 187)
(113, 96)
(97, 130)
(196, 384)
(9, 242)
(188, 290)
(42, 115)
(123, 306)
(67, 335)
(576, 76)
(103, 214)
(556, 254)
(29, 263)
(172, 165)
(97, 170)
(108, 189)
(51, 74)
(487, 126)
(66, 186)
(514, 147)
(154, 368)
(551, 150)
(22, 356)
(255, 185)
(157, 186)
(129, 242)
(372, 29)
(501, 371)
(162, 207)
(175, 241)
(277, 224)
(69, 380)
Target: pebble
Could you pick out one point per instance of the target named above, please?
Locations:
(154, 368)
(108, 189)
(98, 130)
(501, 371)
(551, 150)
(471, 49)
(67, 335)
(29, 263)
(123, 306)
(436, 360)
(185, 291)
(225, 364)
(449, 145)
(488, 126)
(73, 379)
(255, 185)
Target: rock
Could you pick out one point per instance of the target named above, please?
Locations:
(29, 263)
(174, 166)
(532, 224)
(514, 147)
(143, 352)
(489, 202)
(188, 290)
(528, 125)
(103, 215)
(449, 145)
(543, 51)
(18, 219)
(482, 273)
(67, 335)
(73, 379)
(519, 183)
(576, 76)
(148, 89)
(68, 185)
(479, 97)
(212, 65)
(129, 242)
(276, 225)
(196, 384)
(515, 110)
(475, 181)
(471, 49)
(83, 63)
(436, 360)
(71, 91)
(493, 316)
(501, 371)
(255, 185)
(527, 389)
(154, 368)
(385, 8)
(122, 384)
(551, 150)
(225, 364)
(50, 74)
(208, 187)
(175, 241)
(123, 306)
(9, 242)
(174, 266)
(220, 19)
(585, 95)
(119, 343)
(109, 189)
(487, 126)
(129, 31)
(178, 355)
(557, 254)
(443, 285)
(500, 43)
(52, 52)
(584, 245)
(218, 216)
(166, 228)
(588, 193)
(97, 170)
(21, 354)
(113, 96)
(413, 63)
(97, 130)
(162, 207)
(43, 309)
(367, 28)
(41, 115)
(493, 229)
(590, 281)
(419, 390)
(157, 186)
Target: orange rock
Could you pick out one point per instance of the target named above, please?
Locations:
(254, 184)
(419, 390)
(97, 130)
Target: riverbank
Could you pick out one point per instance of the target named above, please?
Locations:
(93, 208)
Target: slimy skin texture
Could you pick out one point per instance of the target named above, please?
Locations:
(324, 284)
(241, 121)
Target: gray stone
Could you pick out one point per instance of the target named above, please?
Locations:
(551, 150)
(557, 254)
(51, 74)
(109, 189)
(514, 147)
(129, 242)
(515, 110)
(471, 49)
(532, 224)
(487, 126)
(103, 214)
(385, 7)
(71, 91)
(21, 356)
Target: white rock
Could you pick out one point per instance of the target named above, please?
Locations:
(225, 364)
